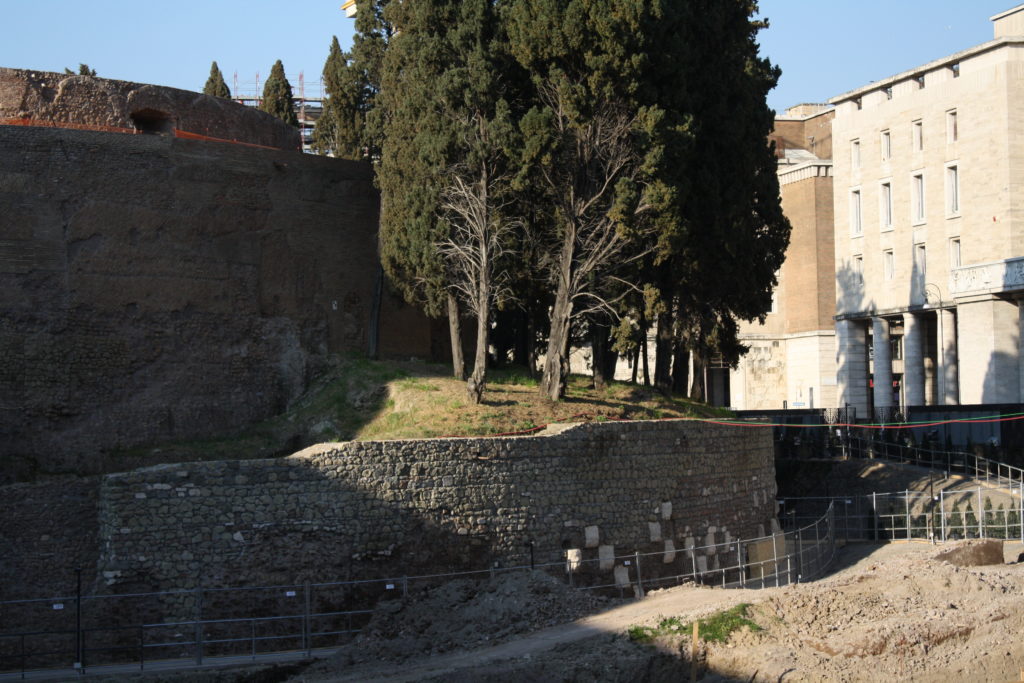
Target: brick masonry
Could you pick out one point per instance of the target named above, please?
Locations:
(154, 288)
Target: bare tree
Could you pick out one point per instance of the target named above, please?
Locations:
(591, 178)
(477, 241)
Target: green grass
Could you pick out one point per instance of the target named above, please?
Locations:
(714, 629)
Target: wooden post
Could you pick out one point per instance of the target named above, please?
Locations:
(693, 651)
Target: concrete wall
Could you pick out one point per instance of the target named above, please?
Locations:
(153, 288)
(63, 99)
(364, 509)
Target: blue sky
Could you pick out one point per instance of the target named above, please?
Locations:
(825, 47)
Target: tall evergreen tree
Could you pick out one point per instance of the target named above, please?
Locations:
(277, 96)
(726, 236)
(215, 84)
(339, 129)
(585, 150)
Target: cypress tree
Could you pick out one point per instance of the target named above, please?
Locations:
(215, 84)
(341, 127)
(277, 96)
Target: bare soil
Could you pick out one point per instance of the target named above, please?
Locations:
(893, 613)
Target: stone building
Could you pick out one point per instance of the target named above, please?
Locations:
(929, 226)
(791, 361)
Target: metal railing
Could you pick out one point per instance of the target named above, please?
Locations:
(254, 621)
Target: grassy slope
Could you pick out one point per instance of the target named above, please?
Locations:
(359, 399)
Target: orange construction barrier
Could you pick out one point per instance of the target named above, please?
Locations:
(184, 134)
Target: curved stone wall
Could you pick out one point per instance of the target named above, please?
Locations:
(362, 509)
(86, 100)
(153, 289)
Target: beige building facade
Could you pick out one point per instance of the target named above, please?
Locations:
(791, 361)
(929, 230)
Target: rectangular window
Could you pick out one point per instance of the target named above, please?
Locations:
(855, 153)
(885, 205)
(858, 269)
(952, 190)
(918, 136)
(886, 143)
(920, 264)
(954, 252)
(888, 264)
(855, 219)
(888, 92)
(917, 198)
(919, 79)
(952, 129)
(955, 69)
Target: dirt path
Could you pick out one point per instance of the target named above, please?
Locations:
(588, 636)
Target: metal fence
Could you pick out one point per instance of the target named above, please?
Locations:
(253, 621)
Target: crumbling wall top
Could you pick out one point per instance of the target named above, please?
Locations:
(47, 98)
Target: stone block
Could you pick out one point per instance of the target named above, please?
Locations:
(670, 552)
(573, 558)
(592, 537)
(666, 509)
(621, 576)
(702, 564)
(606, 557)
(654, 530)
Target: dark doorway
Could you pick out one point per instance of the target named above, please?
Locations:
(153, 122)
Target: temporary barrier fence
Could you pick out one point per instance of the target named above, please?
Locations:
(253, 621)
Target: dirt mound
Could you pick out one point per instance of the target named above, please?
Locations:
(463, 614)
(974, 554)
(920, 618)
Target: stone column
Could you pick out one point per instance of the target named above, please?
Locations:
(852, 365)
(988, 349)
(949, 391)
(883, 363)
(913, 359)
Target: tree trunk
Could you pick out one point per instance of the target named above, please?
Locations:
(455, 332)
(600, 346)
(663, 344)
(552, 383)
(681, 369)
(476, 381)
(636, 364)
(643, 349)
(697, 388)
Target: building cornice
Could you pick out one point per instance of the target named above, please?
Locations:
(821, 168)
(930, 66)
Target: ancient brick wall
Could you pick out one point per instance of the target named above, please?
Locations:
(363, 509)
(153, 289)
(46, 97)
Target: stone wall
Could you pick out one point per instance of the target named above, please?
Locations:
(154, 288)
(362, 509)
(62, 99)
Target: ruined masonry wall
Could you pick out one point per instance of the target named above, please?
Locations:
(362, 509)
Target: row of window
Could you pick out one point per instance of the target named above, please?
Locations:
(918, 199)
(920, 261)
(917, 139)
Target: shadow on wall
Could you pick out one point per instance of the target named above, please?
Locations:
(1002, 379)
(850, 299)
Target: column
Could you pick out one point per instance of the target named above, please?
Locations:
(852, 365)
(988, 346)
(913, 359)
(883, 363)
(949, 390)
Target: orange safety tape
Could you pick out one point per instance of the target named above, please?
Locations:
(184, 134)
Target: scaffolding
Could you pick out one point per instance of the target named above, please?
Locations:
(307, 101)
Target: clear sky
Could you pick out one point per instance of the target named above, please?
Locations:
(825, 47)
